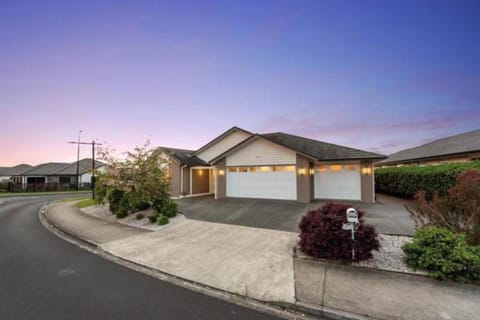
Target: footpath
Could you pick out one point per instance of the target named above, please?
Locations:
(261, 264)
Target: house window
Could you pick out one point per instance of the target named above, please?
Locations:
(253, 169)
(350, 167)
(277, 168)
(232, 169)
(336, 167)
(322, 168)
(243, 169)
(289, 168)
(265, 169)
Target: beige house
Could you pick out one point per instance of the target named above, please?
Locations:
(453, 149)
(240, 164)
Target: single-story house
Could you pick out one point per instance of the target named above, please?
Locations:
(453, 149)
(241, 164)
(60, 173)
(12, 174)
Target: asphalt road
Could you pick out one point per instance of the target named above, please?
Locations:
(45, 277)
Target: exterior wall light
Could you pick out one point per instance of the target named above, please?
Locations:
(366, 170)
(302, 171)
(200, 172)
(221, 172)
(311, 171)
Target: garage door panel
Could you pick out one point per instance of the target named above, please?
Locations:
(338, 184)
(262, 185)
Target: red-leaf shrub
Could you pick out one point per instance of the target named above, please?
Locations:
(322, 236)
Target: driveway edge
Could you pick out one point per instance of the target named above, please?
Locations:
(283, 310)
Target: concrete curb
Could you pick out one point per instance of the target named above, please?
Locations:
(297, 310)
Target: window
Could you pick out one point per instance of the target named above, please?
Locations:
(277, 168)
(336, 167)
(232, 169)
(243, 169)
(289, 168)
(350, 167)
(265, 169)
(322, 168)
(253, 169)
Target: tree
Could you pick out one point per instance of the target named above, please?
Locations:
(142, 176)
(458, 211)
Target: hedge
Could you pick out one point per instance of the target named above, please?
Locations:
(406, 181)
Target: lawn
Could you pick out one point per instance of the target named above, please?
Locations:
(85, 203)
(48, 193)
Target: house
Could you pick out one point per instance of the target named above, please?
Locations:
(13, 174)
(454, 149)
(241, 164)
(60, 174)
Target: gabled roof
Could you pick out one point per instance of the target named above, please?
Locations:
(184, 156)
(320, 150)
(220, 137)
(461, 143)
(84, 166)
(15, 171)
(313, 149)
(46, 169)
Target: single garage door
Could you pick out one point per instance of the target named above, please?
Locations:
(338, 181)
(265, 182)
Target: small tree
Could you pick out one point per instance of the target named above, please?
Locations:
(458, 211)
(142, 177)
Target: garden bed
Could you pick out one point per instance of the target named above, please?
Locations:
(103, 212)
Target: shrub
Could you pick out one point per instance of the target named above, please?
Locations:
(152, 218)
(458, 210)
(444, 254)
(162, 220)
(158, 204)
(114, 198)
(100, 190)
(169, 208)
(140, 216)
(137, 204)
(406, 181)
(322, 236)
(123, 208)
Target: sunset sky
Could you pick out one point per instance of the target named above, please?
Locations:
(375, 75)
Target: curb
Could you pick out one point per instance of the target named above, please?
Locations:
(296, 310)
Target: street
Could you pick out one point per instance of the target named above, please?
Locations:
(45, 277)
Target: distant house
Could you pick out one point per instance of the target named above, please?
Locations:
(454, 149)
(13, 174)
(59, 175)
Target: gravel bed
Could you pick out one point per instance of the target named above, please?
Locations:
(103, 212)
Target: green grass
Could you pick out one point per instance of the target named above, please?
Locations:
(73, 199)
(85, 203)
(49, 193)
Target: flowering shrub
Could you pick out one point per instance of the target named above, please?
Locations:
(322, 236)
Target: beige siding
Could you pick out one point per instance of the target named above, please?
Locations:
(221, 182)
(223, 145)
(261, 152)
(186, 181)
(174, 174)
(200, 181)
(367, 183)
(304, 181)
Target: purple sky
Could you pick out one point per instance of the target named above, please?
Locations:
(376, 75)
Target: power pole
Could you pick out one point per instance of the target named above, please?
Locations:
(93, 144)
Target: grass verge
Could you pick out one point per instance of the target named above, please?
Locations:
(49, 193)
(85, 203)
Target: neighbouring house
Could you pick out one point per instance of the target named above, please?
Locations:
(59, 175)
(240, 164)
(454, 149)
(13, 174)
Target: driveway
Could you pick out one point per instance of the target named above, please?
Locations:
(388, 214)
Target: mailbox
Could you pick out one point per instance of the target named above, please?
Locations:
(352, 215)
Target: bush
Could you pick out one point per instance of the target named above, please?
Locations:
(114, 198)
(158, 204)
(100, 190)
(458, 210)
(152, 218)
(137, 204)
(444, 254)
(162, 220)
(406, 181)
(123, 208)
(322, 236)
(140, 216)
(169, 208)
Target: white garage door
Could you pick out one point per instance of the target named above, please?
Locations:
(266, 182)
(337, 181)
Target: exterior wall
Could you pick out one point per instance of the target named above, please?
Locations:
(440, 160)
(200, 181)
(367, 182)
(174, 174)
(262, 152)
(223, 145)
(221, 183)
(186, 181)
(304, 181)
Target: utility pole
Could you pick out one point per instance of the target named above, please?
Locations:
(93, 144)
(78, 160)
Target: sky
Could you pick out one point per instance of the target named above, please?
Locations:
(374, 75)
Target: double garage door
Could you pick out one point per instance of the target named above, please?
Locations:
(337, 181)
(265, 182)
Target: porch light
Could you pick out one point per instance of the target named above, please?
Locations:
(302, 171)
(311, 171)
(221, 172)
(366, 170)
(200, 172)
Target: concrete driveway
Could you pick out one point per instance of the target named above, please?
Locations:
(388, 214)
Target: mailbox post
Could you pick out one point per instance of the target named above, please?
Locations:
(352, 225)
